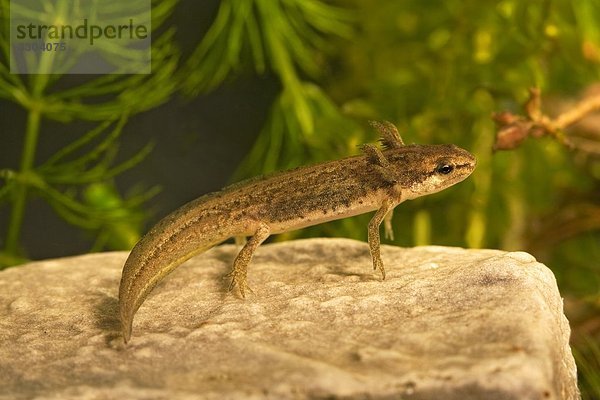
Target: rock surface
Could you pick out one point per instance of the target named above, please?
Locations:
(446, 323)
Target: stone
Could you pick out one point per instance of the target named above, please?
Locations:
(447, 323)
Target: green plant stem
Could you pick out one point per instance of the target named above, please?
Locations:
(28, 157)
(27, 160)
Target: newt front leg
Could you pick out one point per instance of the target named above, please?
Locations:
(387, 225)
(373, 235)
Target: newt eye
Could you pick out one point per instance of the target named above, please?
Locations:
(444, 168)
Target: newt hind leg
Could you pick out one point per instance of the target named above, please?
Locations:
(239, 272)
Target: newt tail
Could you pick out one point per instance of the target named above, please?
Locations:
(181, 235)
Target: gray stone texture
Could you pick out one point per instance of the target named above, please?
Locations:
(447, 323)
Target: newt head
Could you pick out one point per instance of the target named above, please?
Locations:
(425, 169)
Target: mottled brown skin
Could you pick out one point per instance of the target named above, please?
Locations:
(378, 180)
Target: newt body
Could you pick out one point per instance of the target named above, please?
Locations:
(378, 180)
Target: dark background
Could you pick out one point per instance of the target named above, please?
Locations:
(199, 143)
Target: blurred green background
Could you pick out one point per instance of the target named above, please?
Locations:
(245, 87)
